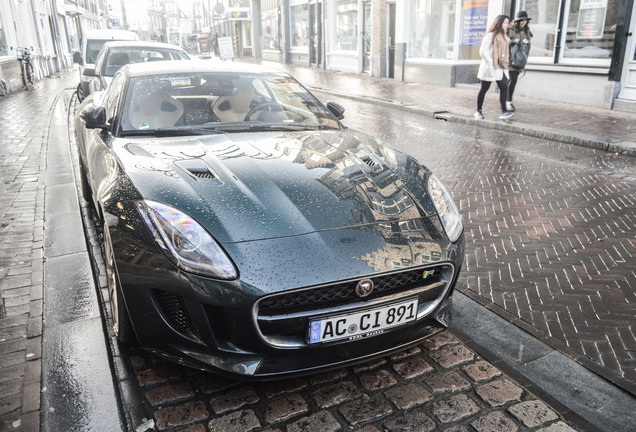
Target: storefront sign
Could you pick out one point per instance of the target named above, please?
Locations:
(474, 21)
(226, 49)
(591, 23)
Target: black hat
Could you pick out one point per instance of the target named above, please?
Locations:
(522, 15)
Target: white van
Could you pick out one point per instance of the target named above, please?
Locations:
(92, 43)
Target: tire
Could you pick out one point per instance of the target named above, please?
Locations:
(80, 93)
(120, 319)
(25, 80)
(29, 73)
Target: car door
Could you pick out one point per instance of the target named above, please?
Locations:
(100, 165)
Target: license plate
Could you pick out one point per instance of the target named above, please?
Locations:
(362, 324)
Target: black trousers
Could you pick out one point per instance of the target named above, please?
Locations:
(514, 76)
(503, 93)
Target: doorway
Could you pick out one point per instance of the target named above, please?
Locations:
(628, 80)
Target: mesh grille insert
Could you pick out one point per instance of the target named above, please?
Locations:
(174, 310)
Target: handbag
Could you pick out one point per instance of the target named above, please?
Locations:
(519, 55)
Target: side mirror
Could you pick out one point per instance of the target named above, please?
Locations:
(77, 57)
(336, 109)
(89, 72)
(95, 117)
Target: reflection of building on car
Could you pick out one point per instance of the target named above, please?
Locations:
(248, 232)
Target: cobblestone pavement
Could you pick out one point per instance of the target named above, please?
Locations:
(440, 385)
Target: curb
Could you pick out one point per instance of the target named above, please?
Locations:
(627, 148)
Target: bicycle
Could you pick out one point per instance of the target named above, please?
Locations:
(28, 75)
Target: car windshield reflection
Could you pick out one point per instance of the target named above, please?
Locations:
(221, 102)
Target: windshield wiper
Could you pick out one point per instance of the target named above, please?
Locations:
(166, 132)
(268, 127)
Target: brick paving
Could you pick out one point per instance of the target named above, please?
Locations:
(24, 125)
(550, 230)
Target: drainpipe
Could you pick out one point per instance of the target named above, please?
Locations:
(559, 33)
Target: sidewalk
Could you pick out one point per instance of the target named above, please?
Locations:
(32, 173)
(612, 131)
(55, 371)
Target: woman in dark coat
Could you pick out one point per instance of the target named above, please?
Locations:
(520, 35)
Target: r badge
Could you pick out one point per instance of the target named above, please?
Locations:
(364, 287)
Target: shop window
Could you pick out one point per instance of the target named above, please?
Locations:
(590, 29)
(474, 23)
(299, 25)
(544, 15)
(271, 24)
(347, 25)
(433, 24)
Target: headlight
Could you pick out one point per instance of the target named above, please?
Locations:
(446, 208)
(186, 243)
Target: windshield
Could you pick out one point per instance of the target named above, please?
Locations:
(120, 56)
(221, 102)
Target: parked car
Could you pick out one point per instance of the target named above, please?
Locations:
(114, 55)
(247, 231)
(91, 44)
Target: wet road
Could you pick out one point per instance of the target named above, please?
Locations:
(550, 232)
(550, 228)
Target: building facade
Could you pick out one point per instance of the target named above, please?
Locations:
(583, 51)
(50, 29)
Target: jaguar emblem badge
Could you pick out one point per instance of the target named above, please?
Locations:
(364, 287)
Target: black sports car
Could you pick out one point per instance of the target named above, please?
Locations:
(248, 232)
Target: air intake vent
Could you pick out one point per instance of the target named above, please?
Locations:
(203, 174)
(370, 161)
(174, 310)
(198, 169)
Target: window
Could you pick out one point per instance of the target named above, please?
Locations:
(347, 25)
(588, 35)
(299, 25)
(111, 97)
(433, 29)
(590, 29)
(271, 24)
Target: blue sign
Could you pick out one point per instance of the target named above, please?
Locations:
(474, 22)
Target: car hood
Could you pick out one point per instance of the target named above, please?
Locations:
(264, 185)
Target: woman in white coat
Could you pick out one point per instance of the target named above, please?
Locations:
(494, 54)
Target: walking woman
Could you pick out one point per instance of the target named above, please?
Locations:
(520, 35)
(494, 53)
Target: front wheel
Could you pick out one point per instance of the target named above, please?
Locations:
(119, 315)
(80, 93)
(25, 78)
(30, 74)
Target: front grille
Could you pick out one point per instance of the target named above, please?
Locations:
(173, 309)
(325, 296)
(285, 317)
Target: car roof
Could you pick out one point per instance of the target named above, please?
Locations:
(114, 34)
(195, 66)
(142, 44)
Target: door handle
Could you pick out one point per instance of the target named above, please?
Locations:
(628, 34)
